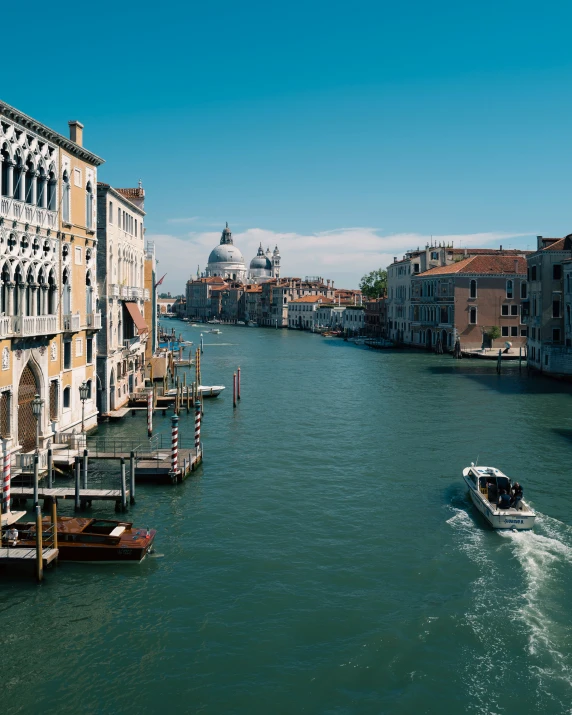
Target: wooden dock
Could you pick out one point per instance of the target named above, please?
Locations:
(15, 554)
(157, 469)
(85, 495)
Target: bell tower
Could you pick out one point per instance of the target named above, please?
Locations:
(276, 263)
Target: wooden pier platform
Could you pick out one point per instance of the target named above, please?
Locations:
(15, 554)
(158, 468)
(85, 495)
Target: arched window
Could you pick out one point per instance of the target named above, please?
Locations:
(29, 179)
(89, 385)
(5, 278)
(51, 198)
(473, 289)
(19, 280)
(52, 288)
(67, 291)
(5, 158)
(41, 189)
(509, 289)
(67, 397)
(18, 181)
(66, 197)
(88, 205)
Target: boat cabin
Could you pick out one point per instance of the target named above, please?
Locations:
(489, 482)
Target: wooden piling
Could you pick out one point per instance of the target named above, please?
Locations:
(54, 506)
(85, 455)
(36, 478)
(234, 389)
(123, 486)
(520, 357)
(499, 361)
(132, 478)
(77, 503)
(39, 549)
(50, 468)
(238, 383)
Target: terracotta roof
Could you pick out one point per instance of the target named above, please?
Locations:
(487, 251)
(493, 264)
(559, 244)
(312, 299)
(138, 193)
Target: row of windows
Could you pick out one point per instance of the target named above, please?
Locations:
(66, 201)
(556, 272)
(78, 351)
(126, 221)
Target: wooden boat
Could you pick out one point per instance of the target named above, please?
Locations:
(92, 540)
(484, 485)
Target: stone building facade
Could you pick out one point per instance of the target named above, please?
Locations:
(121, 270)
(464, 300)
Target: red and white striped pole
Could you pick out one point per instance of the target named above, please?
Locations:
(238, 383)
(6, 478)
(197, 426)
(150, 413)
(234, 389)
(175, 444)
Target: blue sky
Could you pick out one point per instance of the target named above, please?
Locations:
(346, 132)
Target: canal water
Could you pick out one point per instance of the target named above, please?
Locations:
(325, 558)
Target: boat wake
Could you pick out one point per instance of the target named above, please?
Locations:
(518, 615)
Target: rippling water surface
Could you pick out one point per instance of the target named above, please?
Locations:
(325, 558)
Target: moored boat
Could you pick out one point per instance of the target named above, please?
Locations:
(486, 485)
(210, 390)
(86, 540)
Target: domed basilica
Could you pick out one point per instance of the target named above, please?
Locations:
(227, 262)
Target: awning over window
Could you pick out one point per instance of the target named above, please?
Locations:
(138, 319)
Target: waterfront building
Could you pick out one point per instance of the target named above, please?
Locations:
(464, 300)
(354, 320)
(121, 280)
(401, 272)
(375, 317)
(278, 293)
(547, 309)
(249, 303)
(48, 298)
(230, 301)
(227, 262)
(150, 306)
(203, 297)
(303, 312)
(330, 315)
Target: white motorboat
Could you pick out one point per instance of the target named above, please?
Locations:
(210, 390)
(485, 484)
(216, 331)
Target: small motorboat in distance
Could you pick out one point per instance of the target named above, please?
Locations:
(210, 390)
(216, 331)
(93, 540)
(485, 486)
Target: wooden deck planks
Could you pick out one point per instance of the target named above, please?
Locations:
(62, 493)
(23, 554)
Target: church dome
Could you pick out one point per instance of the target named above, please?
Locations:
(226, 253)
(260, 261)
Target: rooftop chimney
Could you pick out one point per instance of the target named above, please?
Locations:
(500, 249)
(395, 259)
(516, 265)
(76, 132)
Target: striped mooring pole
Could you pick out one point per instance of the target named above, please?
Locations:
(6, 478)
(150, 413)
(175, 444)
(197, 426)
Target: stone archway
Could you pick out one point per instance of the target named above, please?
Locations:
(27, 422)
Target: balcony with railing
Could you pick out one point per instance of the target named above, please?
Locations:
(114, 290)
(123, 292)
(93, 321)
(30, 325)
(14, 210)
(146, 294)
(71, 323)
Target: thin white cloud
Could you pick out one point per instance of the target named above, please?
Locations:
(343, 255)
(189, 219)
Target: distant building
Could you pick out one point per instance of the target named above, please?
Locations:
(375, 317)
(249, 303)
(354, 320)
(401, 272)
(203, 297)
(303, 312)
(278, 293)
(547, 308)
(464, 300)
(227, 262)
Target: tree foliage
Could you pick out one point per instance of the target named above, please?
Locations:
(494, 333)
(374, 284)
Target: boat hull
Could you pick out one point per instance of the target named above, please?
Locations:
(511, 519)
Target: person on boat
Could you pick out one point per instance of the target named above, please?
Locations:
(504, 500)
(492, 491)
(517, 496)
(12, 535)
